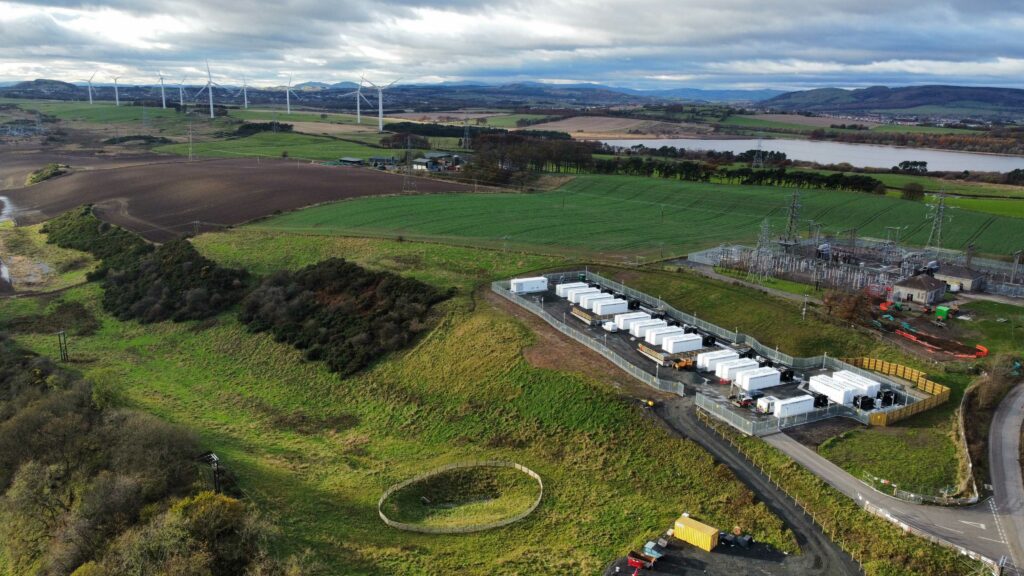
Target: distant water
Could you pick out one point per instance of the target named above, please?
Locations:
(860, 155)
(6, 209)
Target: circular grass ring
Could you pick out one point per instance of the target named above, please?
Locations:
(470, 527)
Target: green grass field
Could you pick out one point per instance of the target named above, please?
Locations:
(619, 217)
(315, 451)
(37, 266)
(274, 145)
(923, 129)
(761, 124)
(128, 119)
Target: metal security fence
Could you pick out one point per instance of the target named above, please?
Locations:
(719, 408)
(460, 529)
(670, 386)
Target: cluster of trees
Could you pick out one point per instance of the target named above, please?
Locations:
(405, 140)
(90, 488)
(770, 157)
(848, 127)
(341, 313)
(912, 191)
(637, 166)
(143, 138)
(912, 167)
(475, 132)
(174, 282)
(78, 229)
(515, 157)
(250, 128)
(802, 179)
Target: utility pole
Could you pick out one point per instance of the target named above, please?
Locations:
(969, 255)
(803, 312)
(189, 140)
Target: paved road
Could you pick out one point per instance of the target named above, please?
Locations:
(975, 528)
(1004, 464)
(822, 556)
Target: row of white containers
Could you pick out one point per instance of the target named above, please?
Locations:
(746, 375)
(589, 298)
(843, 386)
(786, 407)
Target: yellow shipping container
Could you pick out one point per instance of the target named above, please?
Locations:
(700, 535)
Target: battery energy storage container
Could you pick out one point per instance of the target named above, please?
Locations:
(588, 301)
(639, 329)
(865, 386)
(529, 285)
(728, 370)
(837, 392)
(758, 378)
(624, 321)
(562, 290)
(712, 363)
(656, 336)
(794, 406)
(705, 358)
(677, 343)
(575, 294)
(613, 306)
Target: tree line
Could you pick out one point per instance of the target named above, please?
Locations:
(475, 132)
(516, 157)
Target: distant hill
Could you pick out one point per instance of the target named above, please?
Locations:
(936, 100)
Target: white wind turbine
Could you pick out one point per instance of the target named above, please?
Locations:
(89, 81)
(359, 98)
(163, 97)
(288, 93)
(244, 92)
(209, 87)
(380, 102)
(181, 93)
(117, 97)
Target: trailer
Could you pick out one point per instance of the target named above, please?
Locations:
(581, 314)
(529, 285)
(704, 357)
(794, 406)
(623, 321)
(575, 294)
(728, 370)
(639, 560)
(587, 300)
(561, 290)
(836, 392)
(609, 307)
(660, 358)
(865, 386)
(638, 329)
(676, 343)
(656, 336)
(758, 378)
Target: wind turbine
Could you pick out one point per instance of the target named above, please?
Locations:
(181, 93)
(117, 98)
(209, 87)
(380, 103)
(288, 95)
(90, 86)
(163, 97)
(359, 98)
(244, 92)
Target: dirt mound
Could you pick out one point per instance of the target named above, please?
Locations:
(163, 201)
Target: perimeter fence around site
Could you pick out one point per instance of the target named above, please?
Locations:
(670, 386)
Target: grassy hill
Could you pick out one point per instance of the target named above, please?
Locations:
(935, 99)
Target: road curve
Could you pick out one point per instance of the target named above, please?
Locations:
(827, 558)
(1005, 470)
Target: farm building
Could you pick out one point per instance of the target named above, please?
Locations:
(922, 289)
(384, 162)
(349, 161)
(960, 277)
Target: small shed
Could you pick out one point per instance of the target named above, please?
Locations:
(922, 289)
(960, 277)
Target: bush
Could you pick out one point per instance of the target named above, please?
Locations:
(913, 191)
(250, 128)
(340, 313)
(174, 282)
(51, 170)
(79, 229)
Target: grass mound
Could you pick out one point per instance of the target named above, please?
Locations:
(463, 498)
(51, 170)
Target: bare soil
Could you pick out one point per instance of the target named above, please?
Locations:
(163, 200)
(602, 127)
(443, 116)
(369, 126)
(814, 434)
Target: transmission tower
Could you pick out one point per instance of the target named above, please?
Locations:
(408, 182)
(792, 236)
(938, 216)
(466, 141)
(761, 259)
(891, 253)
(758, 162)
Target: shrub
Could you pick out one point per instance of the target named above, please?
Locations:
(51, 170)
(79, 229)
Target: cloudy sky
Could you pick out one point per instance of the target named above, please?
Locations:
(654, 44)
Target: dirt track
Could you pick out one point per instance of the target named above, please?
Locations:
(162, 201)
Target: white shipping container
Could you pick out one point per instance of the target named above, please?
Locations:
(613, 306)
(728, 370)
(758, 378)
(623, 321)
(794, 406)
(656, 336)
(866, 386)
(529, 285)
(638, 329)
(766, 404)
(704, 357)
(587, 300)
(575, 294)
(561, 290)
(837, 392)
(712, 363)
(675, 344)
